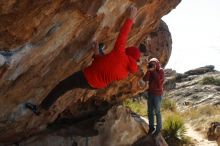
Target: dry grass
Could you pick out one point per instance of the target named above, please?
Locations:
(136, 106)
(201, 117)
(140, 107)
(168, 105)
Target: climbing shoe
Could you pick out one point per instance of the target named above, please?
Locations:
(101, 48)
(33, 108)
(156, 132)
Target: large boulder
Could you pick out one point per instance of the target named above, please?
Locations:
(119, 127)
(151, 141)
(213, 133)
(158, 43)
(42, 42)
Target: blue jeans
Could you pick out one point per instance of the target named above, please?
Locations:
(154, 103)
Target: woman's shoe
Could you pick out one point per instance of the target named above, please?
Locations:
(156, 133)
(150, 131)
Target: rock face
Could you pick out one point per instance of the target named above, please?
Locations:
(201, 70)
(42, 42)
(188, 90)
(194, 92)
(151, 141)
(214, 132)
(118, 127)
(158, 43)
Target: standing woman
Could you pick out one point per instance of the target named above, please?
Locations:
(155, 79)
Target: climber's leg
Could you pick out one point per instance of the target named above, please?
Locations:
(76, 80)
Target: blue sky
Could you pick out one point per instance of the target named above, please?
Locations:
(195, 30)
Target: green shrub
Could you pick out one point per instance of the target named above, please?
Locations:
(136, 106)
(168, 104)
(210, 81)
(174, 130)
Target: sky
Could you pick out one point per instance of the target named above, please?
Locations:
(195, 30)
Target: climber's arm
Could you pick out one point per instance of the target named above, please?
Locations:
(120, 43)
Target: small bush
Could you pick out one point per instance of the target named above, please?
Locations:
(168, 104)
(174, 130)
(210, 81)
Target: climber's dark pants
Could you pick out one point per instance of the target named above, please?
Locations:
(76, 80)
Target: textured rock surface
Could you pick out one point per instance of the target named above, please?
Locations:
(151, 141)
(195, 97)
(188, 91)
(118, 127)
(201, 70)
(158, 43)
(214, 132)
(42, 42)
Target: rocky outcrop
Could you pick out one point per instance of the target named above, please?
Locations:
(213, 133)
(151, 141)
(170, 79)
(194, 92)
(118, 127)
(201, 70)
(158, 43)
(43, 42)
(187, 89)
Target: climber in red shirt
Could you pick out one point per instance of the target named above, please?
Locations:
(104, 69)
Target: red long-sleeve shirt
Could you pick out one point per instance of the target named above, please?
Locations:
(156, 80)
(113, 66)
